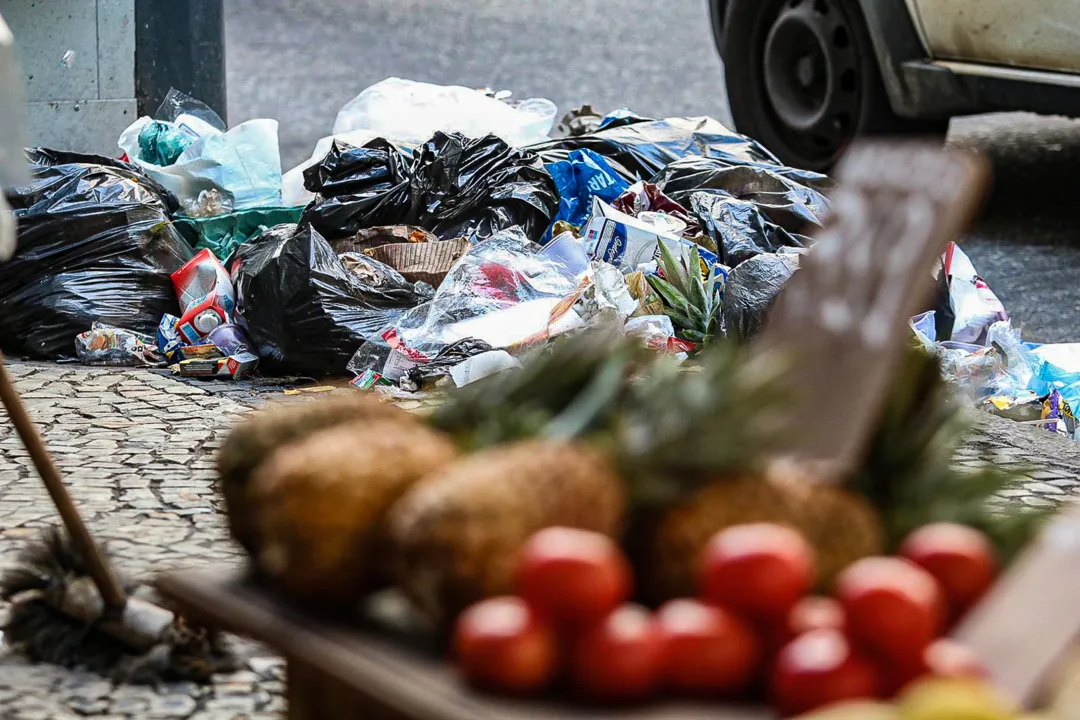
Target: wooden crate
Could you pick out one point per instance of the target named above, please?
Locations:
(338, 670)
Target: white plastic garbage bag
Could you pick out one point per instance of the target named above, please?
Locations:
(243, 164)
(973, 302)
(481, 366)
(409, 113)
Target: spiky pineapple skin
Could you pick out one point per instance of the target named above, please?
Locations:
(320, 505)
(256, 437)
(456, 535)
(841, 527)
(668, 563)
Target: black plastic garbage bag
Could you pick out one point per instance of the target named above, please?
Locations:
(308, 303)
(747, 209)
(477, 188)
(359, 187)
(640, 150)
(793, 199)
(448, 357)
(739, 228)
(454, 187)
(750, 292)
(95, 244)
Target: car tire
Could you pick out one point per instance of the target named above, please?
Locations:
(803, 79)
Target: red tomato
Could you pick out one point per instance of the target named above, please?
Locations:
(820, 668)
(502, 645)
(961, 558)
(573, 576)
(758, 570)
(893, 608)
(706, 649)
(619, 659)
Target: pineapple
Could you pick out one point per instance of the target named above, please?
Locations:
(670, 541)
(255, 438)
(906, 480)
(839, 525)
(908, 473)
(456, 534)
(320, 505)
(691, 292)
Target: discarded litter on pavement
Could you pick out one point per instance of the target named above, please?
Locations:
(438, 233)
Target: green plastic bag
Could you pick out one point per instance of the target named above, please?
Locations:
(162, 143)
(222, 234)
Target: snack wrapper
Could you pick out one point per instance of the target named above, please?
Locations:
(106, 345)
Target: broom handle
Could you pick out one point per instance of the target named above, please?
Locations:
(100, 570)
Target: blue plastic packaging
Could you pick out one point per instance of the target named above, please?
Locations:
(579, 179)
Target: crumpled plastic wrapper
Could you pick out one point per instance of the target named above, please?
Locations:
(209, 203)
(608, 296)
(105, 345)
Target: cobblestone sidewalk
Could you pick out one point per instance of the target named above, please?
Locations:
(137, 451)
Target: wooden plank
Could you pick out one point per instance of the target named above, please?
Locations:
(1031, 618)
(391, 677)
(843, 318)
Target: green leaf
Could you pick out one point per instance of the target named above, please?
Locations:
(697, 289)
(670, 294)
(673, 271)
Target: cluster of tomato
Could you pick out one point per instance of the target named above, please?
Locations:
(755, 629)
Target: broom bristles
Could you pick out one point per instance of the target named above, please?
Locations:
(48, 573)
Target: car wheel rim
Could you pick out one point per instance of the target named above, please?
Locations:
(812, 77)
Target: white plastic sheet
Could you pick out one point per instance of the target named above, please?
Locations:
(409, 113)
(243, 163)
(975, 305)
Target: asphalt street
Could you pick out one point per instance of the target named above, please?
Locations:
(300, 60)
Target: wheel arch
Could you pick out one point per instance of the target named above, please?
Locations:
(896, 40)
(718, 18)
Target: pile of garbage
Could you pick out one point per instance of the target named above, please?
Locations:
(436, 233)
(433, 235)
(987, 360)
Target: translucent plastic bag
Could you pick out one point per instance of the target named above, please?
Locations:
(104, 345)
(974, 303)
(243, 163)
(409, 113)
(502, 292)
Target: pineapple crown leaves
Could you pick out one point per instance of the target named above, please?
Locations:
(563, 391)
(908, 472)
(683, 429)
(691, 301)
